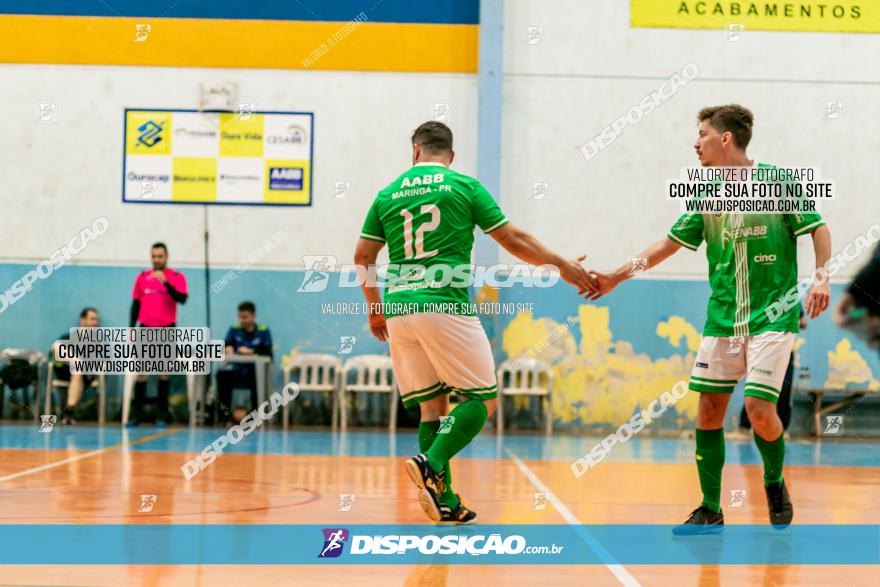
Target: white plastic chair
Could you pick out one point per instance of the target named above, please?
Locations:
(52, 383)
(32, 356)
(526, 377)
(373, 374)
(316, 372)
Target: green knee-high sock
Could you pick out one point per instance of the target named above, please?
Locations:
(467, 420)
(773, 453)
(427, 434)
(710, 461)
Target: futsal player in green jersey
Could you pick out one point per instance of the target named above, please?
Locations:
(427, 217)
(752, 265)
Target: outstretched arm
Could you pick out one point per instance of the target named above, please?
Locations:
(653, 255)
(526, 247)
(365, 256)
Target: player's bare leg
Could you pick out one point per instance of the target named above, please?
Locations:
(433, 409)
(771, 443)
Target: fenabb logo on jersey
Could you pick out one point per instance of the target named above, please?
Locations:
(742, 232)
(286, 178)
(335, 539)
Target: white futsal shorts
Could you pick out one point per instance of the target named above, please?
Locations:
(435, 354)
(763, 358)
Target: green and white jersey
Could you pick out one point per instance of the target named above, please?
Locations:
(427, 217)
(752, 263)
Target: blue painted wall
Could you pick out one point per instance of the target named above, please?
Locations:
(296, 319)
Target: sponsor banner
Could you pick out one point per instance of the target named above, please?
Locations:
(332, 544)
(839, 16)
(185, 156)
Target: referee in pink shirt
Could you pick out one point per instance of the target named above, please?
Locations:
(155, 296)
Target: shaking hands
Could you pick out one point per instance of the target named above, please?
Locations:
(590, 283)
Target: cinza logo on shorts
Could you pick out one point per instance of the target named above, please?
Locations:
(768, 259)
(766, 372)
(742, 232)
(334, 541)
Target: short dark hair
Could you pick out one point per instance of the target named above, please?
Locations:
(85, 311)
(160, 246)
(247, 307)
(434, 137)
(732, 118)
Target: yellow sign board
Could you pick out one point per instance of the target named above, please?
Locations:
(192, 157)
(827, 16)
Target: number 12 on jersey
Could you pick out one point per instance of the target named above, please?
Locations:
(432, 224)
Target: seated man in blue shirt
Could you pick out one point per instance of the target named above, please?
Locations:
(244, 338)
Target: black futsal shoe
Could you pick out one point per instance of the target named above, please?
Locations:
(459, 515)
(430, 484)
(703, 520)
(779, 504)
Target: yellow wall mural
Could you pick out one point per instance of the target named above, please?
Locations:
(603, 380)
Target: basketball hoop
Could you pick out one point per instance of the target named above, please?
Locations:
(218, 96)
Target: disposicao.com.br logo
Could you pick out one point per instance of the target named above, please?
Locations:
(322, 270)
(334, 540)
